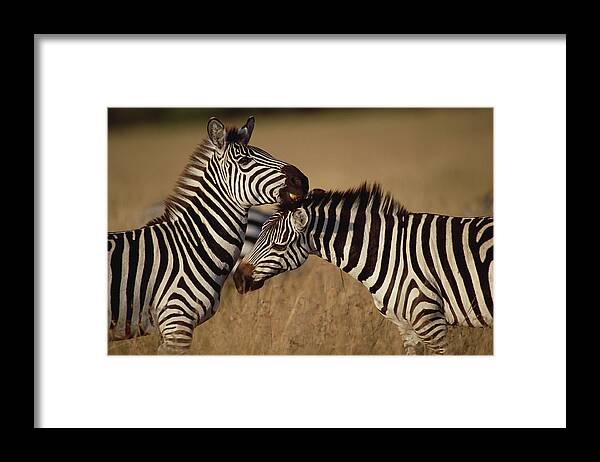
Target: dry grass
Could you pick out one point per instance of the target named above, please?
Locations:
(431, 160)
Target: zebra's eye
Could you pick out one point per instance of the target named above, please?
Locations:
(245, 160)
(279, 247)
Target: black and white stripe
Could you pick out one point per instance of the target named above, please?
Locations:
(167, 276)
(425, 271)
(256, 219)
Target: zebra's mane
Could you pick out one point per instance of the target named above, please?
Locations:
(363, 194)
(193, 170)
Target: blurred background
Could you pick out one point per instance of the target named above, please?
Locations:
(431, 160)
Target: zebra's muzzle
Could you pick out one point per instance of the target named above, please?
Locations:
(296, 185)
(243, 278)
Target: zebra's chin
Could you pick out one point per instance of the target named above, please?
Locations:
(249, 286)
(245, 285)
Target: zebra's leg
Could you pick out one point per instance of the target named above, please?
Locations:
(431, 328)
(176, 326)
(167, 349)
(409, 337)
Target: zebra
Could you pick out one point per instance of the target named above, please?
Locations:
(167, 275)
(425, 271)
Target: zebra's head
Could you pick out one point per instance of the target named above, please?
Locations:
(250, 175)
(282, 245)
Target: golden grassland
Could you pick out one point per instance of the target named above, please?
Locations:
(431, 161)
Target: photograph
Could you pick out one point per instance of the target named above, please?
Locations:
(300, 231)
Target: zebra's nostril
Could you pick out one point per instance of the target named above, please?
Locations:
(296, 179)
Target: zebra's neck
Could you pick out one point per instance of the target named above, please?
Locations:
(350, 234)
(206, 215)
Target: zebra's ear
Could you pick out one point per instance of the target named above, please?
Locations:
(246, 131)
(216, 132)
(300, 219)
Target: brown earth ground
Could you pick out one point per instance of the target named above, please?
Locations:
(431, 160)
